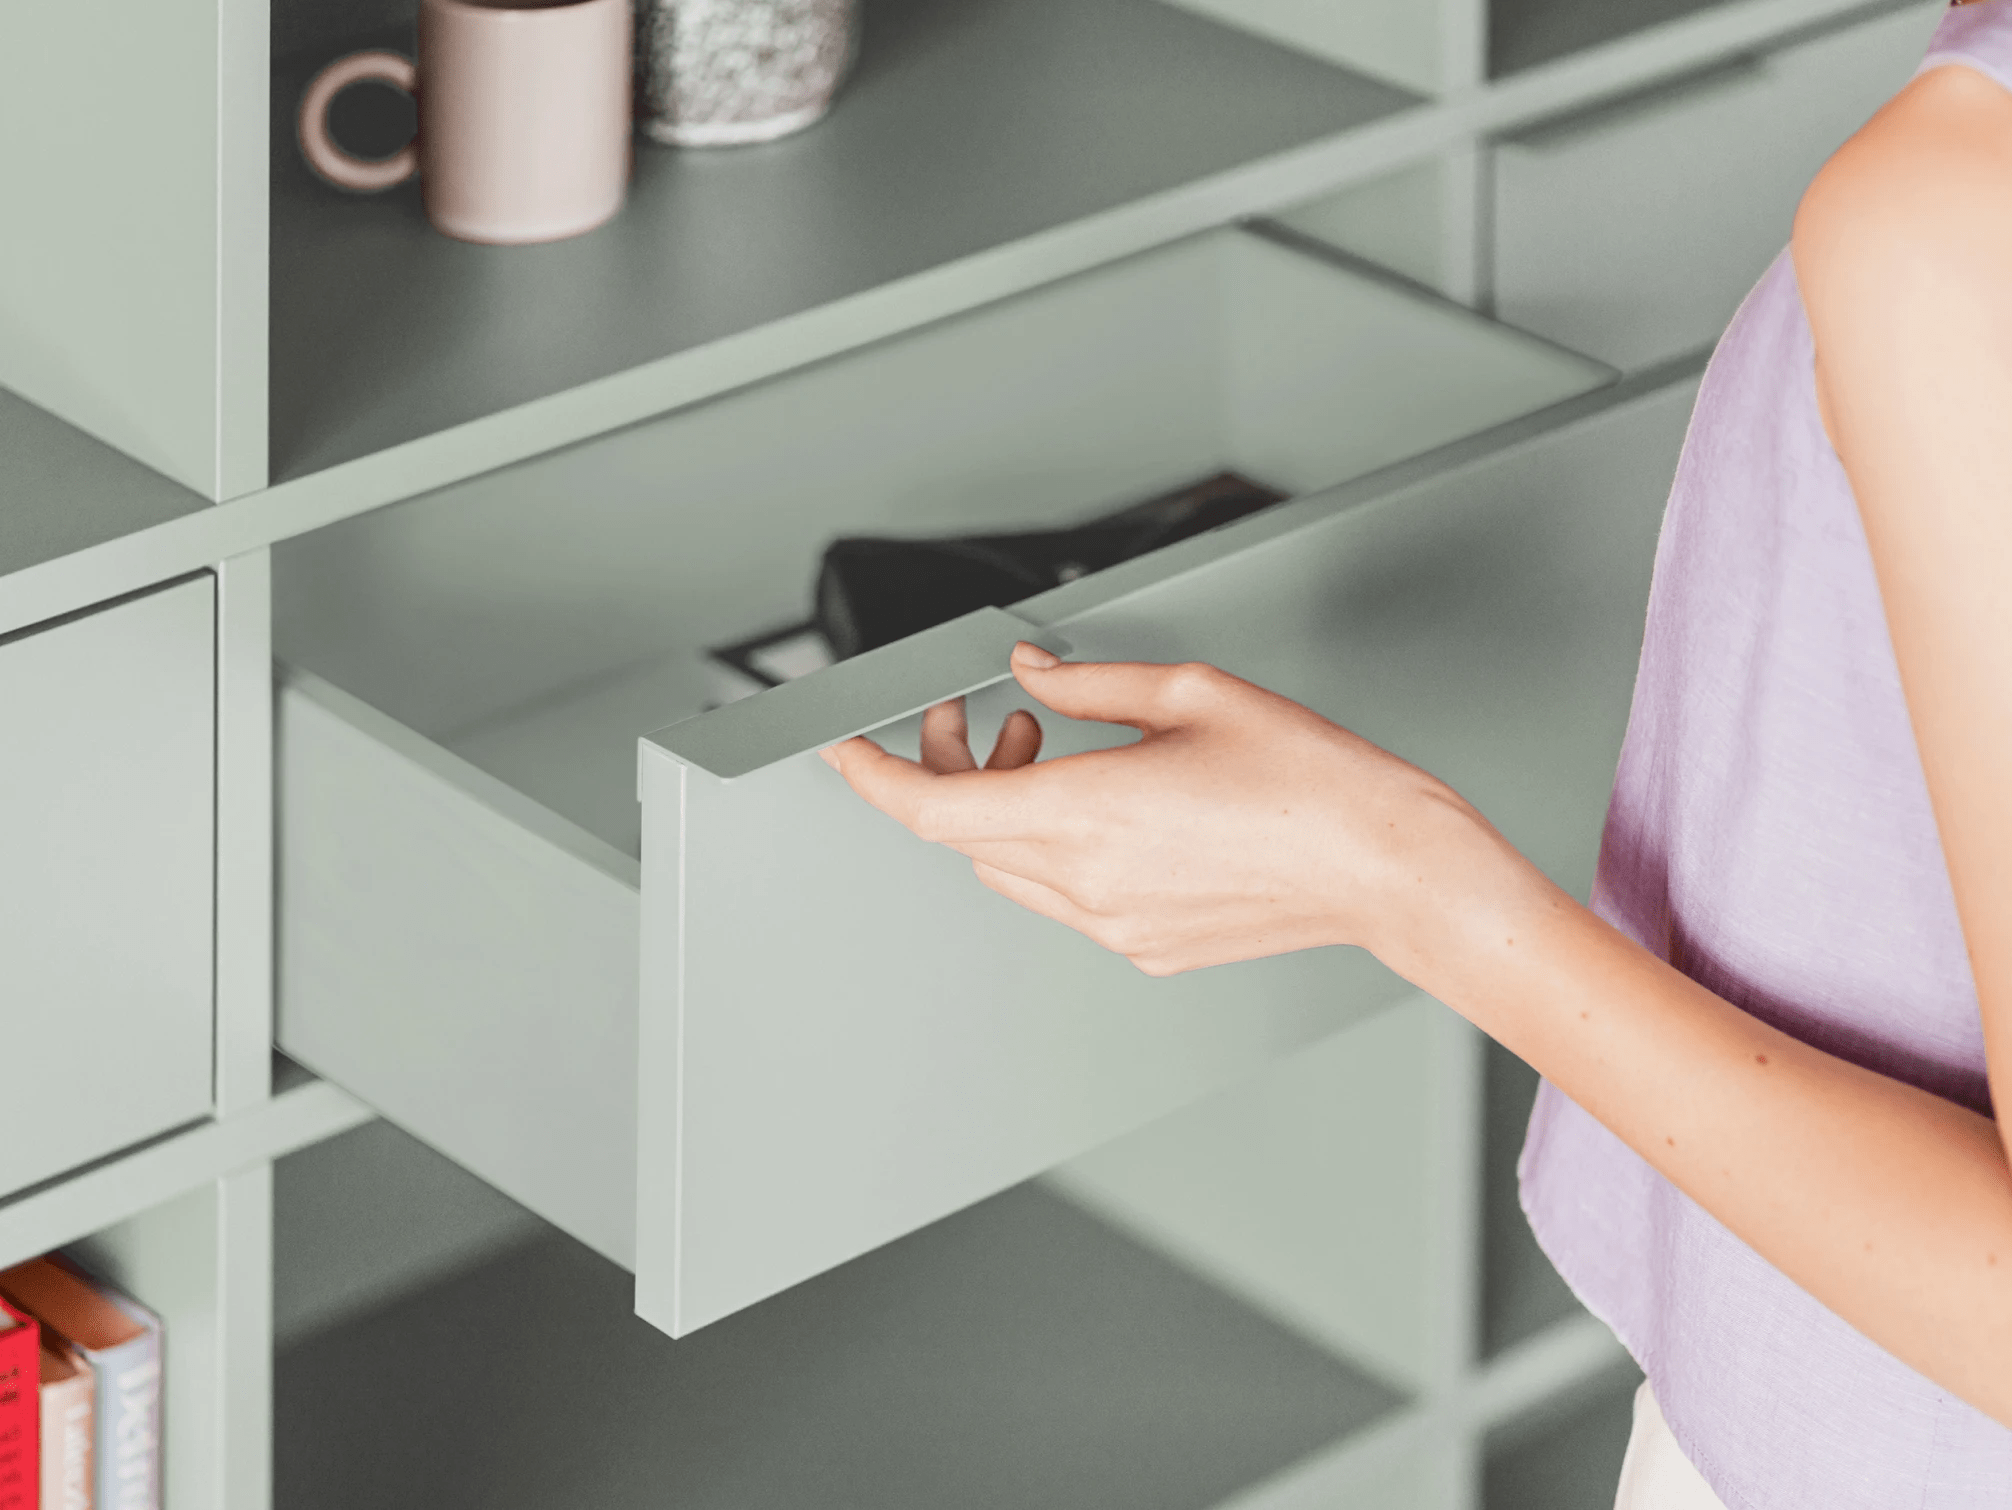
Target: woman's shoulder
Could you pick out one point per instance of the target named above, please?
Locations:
(1922, 191)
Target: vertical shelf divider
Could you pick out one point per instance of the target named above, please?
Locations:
(203, 1263)
(1453, 1157)
(244, 86)
(243, 1387)
(132, 277)
(244, 913)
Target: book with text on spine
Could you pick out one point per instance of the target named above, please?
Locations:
(120, 1340)
(68, 1409)
(20, 1409)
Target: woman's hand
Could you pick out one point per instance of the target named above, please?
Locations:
(1241, 824)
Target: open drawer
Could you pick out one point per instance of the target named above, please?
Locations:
(791, 1032)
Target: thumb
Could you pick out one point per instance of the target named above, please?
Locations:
(1144, 696)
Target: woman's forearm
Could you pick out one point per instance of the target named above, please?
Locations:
(1890, 1205)
(1241, 825)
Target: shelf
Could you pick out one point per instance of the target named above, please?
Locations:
(1315, 1192)
(1566, 1455)
(66, 491)
(1521, 1294)
(365, 1218)
(97, 526)
(1556, 37)
(969, 127)
(1525, 33)
(1017, 1353)
(199, 1261)
(64, 1209)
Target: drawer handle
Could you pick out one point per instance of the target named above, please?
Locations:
(854, 697)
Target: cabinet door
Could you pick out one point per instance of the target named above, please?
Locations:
(106, 863)
(844, 1036)
(1631, 231)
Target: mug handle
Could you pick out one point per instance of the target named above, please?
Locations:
(327, 159)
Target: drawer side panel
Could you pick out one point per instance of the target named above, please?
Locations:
(460, 960)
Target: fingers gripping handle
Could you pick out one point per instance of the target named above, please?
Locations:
(855, 696)
(338, 167)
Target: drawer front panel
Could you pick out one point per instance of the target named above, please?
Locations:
(1633, 232)
(107, 822)
(844, 1036)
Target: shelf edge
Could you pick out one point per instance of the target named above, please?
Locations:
(74, 1207)
(1556, 1365)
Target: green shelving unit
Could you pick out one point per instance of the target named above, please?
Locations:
(392, 446)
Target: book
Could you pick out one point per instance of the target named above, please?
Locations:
(20, 1409)
(68, 1409)
(120, 1341)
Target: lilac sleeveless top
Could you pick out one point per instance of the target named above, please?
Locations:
(1770, 835)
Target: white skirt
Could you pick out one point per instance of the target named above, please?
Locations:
(1655, 1475)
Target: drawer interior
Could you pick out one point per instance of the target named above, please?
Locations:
(538, 619)
(462, 909)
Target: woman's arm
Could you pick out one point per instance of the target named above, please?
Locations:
(1242, 824)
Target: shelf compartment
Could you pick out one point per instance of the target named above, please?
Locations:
(1316, 1192)
(1632, 230)
(1017, 1354)
(1526, 33)
(462, 905)
(1522, 1295)
(202, 1262)
(969, 127)
(67, 491)
(1391, 39)
(1566, 1453)
(106, 816)
(80, 1201)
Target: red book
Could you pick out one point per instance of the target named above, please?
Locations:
(20, 1410)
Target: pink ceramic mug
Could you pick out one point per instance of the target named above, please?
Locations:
(524, 117)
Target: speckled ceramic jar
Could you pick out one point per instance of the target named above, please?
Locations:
(714, 73)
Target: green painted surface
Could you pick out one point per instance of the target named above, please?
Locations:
(1393, 39)
(1019, 1354)
(971, 124)
(63, 491)
(108, 269)
(1525, 33)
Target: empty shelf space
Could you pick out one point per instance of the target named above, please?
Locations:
(1521, 1294)
(1565, 1455)
(1018, 1353)
(372, 1216)
(968, 126)
(66, 491)
(1525, 33)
